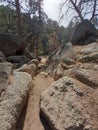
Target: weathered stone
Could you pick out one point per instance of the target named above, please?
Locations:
(30, 69)
(43, 74)
(68, 104)
(6, 70)
(89, 58)
(89, 77)
(2, 57)
(14, 100)
(90, 39)
(58, 72)
(66, 50)
(17, 59)
(68, 61)
(92, 66)
(88, 49)
(64, 66)
(34, 61)
(11, 44)
(84, 33)
(69, 72)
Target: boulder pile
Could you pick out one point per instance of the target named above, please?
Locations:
(14, 90)
(71, 102)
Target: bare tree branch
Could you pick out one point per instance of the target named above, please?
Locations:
(84, 8)
(94, 9)
(77, 10)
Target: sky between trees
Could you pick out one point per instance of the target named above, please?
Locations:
(51, 8)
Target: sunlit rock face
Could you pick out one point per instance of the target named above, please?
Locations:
(70, 105)
(13, 99)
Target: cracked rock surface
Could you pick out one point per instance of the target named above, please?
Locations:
(69, 104)
(13, 100)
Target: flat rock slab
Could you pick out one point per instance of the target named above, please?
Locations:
(70, 105)
(13, 100)
(88, 49)
(87, 76)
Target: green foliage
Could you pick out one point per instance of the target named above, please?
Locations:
(7, 20)
(31, 27)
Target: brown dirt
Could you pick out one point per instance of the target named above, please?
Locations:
(32, 119)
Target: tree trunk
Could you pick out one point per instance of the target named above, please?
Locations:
(77, 10)
(39, 11)
(19, 22)
(37, 44)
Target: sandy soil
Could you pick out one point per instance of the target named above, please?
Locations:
(32, 119)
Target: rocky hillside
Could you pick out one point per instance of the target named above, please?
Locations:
(15, 86)
(29, 101)
(71, 103)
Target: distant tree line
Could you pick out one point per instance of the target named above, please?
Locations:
(28, 20)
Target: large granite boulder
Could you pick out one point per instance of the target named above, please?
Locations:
(58, 73)
(34, 61)
(65, 53)
(13, 100)
(86, 49)
(6, 70)
(68, 104)
(2, 57)
(11, 44)
(84, 33)
(17, 59)
(89, 58)
(67, 50)
(30, 69)
(87, 76)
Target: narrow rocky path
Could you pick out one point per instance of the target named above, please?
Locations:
(32, 119)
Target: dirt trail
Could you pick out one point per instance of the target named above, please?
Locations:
(32, 120)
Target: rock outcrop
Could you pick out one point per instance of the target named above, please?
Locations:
(6, 70)
(2, 57)
(13, 99)
(11, 44)
(87, 76)
(34, 61)
(84, 57)
(30, 69)
(17, 59)
(66, 53)
(84, 33)
(70, 105)
(14, 89)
